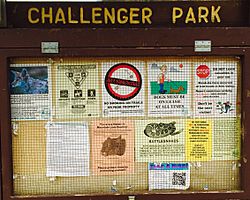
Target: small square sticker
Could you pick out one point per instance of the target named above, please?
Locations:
(202, 46)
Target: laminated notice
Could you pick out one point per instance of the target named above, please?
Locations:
(168, 176)
(123, 89)
(216, 89)
(169, 86)
(160, 140)
(77, 93)
(30, 91)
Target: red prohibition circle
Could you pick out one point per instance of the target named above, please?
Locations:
(135, 85)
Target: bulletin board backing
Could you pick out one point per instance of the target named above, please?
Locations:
(30, 138)
(104, 45)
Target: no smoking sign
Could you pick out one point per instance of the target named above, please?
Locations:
(123, 81)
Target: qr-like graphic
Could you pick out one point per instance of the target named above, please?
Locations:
(179, 179)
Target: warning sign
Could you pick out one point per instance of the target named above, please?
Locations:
(123, 89)
(123, 81)
(203, 71)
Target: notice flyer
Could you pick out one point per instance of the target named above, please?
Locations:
(198, 140)
(216, 89)
(123, 89)
(160, 140)
(77, 91)
(168, 176)
(67, 149)
(30, 94)
(226, 139)
(169, 88)
(112, 147)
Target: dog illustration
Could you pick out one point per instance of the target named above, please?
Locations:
(176, 91)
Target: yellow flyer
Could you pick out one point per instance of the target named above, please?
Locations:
(161, 140)
(112, 147)
(198, 140)
(77, 91)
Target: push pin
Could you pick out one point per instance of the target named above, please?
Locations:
(205, 187)
(15, 176)
(185, 112)
(234, 166)
(129, 187)
(14, 127)
(113, 187)
(49, 124)
(50, 60)
(52, 179)
(197, 165)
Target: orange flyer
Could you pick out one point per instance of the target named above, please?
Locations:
(112, 147)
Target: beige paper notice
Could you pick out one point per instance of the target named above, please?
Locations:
(77, 91)
(112, 147)
(161, 140)
(226, 139)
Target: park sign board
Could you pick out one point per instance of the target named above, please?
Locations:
(128, 14)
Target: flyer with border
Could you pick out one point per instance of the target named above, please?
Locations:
(123, 88)
(112, 143)
(30, 91)
(169, 92)
(77, 91)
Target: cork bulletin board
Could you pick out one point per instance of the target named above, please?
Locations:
(125, 100)
(122, 125)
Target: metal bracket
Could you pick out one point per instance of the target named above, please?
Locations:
(202, 46)
(49, 47)
(131, 197)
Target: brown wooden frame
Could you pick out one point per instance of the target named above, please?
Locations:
(124, 42)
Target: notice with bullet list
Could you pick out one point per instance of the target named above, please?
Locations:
(215, 88)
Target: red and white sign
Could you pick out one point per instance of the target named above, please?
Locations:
(123, 81)
(203, 71)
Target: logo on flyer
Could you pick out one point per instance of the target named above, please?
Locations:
(203, 71)
(123, 81)
(77, 76)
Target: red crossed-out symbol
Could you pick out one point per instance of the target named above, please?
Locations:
(123, 81)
